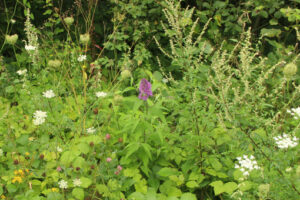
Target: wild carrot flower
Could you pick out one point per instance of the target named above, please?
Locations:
(81, 58)
(91, 130)
(22, 72)
(246, 164)
(39, 117)
(295, 112)
(30, 48)
(101, 94)
(63, 184)
(145, 89)
(77, 182)
(48, 94)
(285, 141)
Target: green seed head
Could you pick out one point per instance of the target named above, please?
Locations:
(54, 63)
(85, 38)
(125, 74)
(290, 70)
(11, 39)
(69, 20)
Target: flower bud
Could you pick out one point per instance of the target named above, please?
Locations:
(85, 38)
(290, 70)
(54, 63)
(69, 20)
(11, 39)
(108, 159)
(125, 74)
(107, 136)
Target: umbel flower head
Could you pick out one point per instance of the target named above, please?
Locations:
(246, 164)
(295, 112)
(48, 94)
(69, 20)
(285, 141)
(145, 89)
(85, 38)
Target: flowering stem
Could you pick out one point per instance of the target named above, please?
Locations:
(145, 116)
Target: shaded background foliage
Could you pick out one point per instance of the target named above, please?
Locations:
(132, 24)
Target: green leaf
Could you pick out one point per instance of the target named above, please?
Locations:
(83, 148)
(167, 171)
(188, 196)
(230, 187)
(11, 188)
(78, 193)
(103, 189)
(192, 184)
(141, 186)
(1, 190)
(245, 186)
(54, 196)
(270, 32)
(86, 182)
(218, 187)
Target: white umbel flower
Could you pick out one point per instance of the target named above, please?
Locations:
(39, 117)
(1, 152)
(63, 184)
(30, 48)
(285, 141)
(246, 164)
(49, 94)
(295, 112)
(22, 72)
(81, 58)
(91, 130)
(58, 149)
(101, 94)
(77, 182)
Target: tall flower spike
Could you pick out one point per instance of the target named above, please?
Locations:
(145, 89)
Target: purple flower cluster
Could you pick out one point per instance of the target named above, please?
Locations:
(145, 89)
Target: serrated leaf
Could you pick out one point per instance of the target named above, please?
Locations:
(230, 187)
(85, 182)
(218, 187)
(167, 171)
(188, 196)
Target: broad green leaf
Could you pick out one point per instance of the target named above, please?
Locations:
(167, 171)
(270, 32)
(218, 187)
(192, 184)
(78, 193)
(86, 182)
(230, 187)
(188, 196)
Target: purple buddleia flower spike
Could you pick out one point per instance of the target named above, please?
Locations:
(145, 89)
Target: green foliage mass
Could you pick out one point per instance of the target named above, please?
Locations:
(222, 123)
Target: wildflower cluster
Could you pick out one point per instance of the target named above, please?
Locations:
(49, 94)
(101, 94)
(22, 72)
(285, 141)
(63, 184)
(19, 175)
(246, 164)
(91, 130)
(77, 182)
(295, 112)
(81, 58)
(145, 89)
(39, 117)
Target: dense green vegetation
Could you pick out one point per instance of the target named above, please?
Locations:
(149, 100)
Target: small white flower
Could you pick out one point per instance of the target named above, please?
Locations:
(58, 149)
(91, 130)
(246, 164)
(77, 182)
(295, 112)
(30, 47)
(40, 114)
(39, 117)
(101, 94)
(285, 141)
(38, 121)
(49, 94)
(13, 21)
(63, 184)
(22, 72)
(288, 169)
(1, 152)
(164, 80)
(81, 58)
